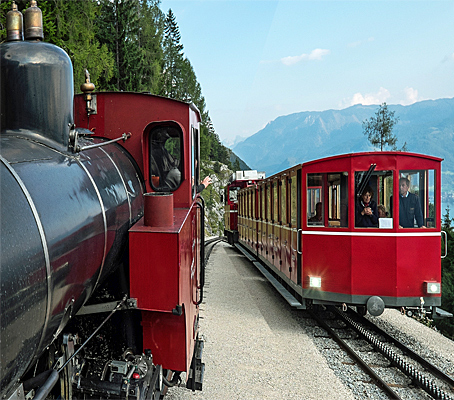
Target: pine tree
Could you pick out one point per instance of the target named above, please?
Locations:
(173, 57)
(378, 129)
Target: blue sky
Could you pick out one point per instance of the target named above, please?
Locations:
(257, 60)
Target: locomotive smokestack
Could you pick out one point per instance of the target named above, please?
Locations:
(14, 24)
(33, 21)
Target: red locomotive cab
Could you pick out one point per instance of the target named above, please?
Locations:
(238, 181)
(165, 262)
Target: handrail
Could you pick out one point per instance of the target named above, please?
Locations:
(446, 243)
(202, 248)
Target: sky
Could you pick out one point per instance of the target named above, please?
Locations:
(257, 60)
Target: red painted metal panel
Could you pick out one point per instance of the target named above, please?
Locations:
(164, 334)
(328, 257)
(165, 273)
(374, 266)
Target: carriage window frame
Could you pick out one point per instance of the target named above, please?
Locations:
(315, 194)
(423, 184)
(283, 196)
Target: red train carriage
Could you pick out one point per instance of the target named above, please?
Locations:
(239, 180)
(307, 232)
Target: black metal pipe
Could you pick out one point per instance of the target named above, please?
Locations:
(37, 380)
(43, 392)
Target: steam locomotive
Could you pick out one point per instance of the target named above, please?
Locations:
(101, 232)
(302, 228)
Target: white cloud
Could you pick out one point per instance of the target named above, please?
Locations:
(411, 96)
(316, 54)
(370, 98)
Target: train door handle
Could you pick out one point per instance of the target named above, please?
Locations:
(446, 243)
(298, 242)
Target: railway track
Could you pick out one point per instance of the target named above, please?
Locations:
(209, 246)
(418, 371)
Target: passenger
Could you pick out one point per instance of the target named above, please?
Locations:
(205, 183)
(366, 214)
(409, 207)
(382, 211)
(164, 166)
(318, 217)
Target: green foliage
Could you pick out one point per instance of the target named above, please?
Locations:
(128, 45)
(378, 129)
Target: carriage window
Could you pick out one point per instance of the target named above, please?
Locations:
(262, 196)
(253, 203)
(284, 201)
(268, 202)
(417, 199)
(315, 208)
(275, 203)
(165, 158)
(293, 202)
(338, 200)
(373, 203)
(233, 194)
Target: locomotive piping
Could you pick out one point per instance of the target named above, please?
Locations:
(43, 241)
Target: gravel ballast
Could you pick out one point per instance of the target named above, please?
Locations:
(255, 347)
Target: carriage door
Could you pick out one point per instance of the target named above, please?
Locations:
(293, 219)
(276, 234)
(285, 230)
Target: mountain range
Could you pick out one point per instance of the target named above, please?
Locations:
(426, 127)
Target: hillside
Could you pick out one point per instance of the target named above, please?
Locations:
(426, 126)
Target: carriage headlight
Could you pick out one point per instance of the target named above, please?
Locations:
(315, 281)
(433, 287)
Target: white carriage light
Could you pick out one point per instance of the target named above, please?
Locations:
(315, 281)
(433, 287)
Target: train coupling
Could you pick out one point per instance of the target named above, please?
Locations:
(197, 368)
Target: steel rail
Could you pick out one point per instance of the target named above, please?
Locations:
(416, 376)
(434, 370)
(378, 381)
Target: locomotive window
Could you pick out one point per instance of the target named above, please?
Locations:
(284, 201)
(338, 200)
(417, 199)
(314, 199)
(379, 185)
(166, 158)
